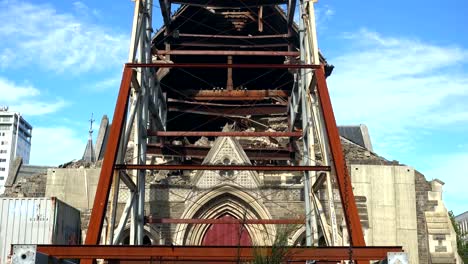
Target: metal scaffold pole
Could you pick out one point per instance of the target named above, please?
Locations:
(147, 110)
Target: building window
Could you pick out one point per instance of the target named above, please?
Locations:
(3, 151)
(2, 169)
(2, 178)
(2, 160)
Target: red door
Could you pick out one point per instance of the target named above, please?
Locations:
(227, 234)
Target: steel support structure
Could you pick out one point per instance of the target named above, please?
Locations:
(225, 221)
(303, 106)
(193, 151)
(222, 134)
(140, 106)
(140, 118)
(210, 253)
(114, 159)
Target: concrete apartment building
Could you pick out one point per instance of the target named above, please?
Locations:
(15, 141)
(462, 221)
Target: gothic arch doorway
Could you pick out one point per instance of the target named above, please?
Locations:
(226, 202)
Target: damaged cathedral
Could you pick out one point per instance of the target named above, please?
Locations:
(395, 203)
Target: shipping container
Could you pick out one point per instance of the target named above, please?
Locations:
(37, 221)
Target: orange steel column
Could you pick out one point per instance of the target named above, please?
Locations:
(107, 170)
(343, 179)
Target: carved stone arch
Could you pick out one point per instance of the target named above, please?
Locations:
(148, 230)
(298, 238)
(221, 201)
(226, 150)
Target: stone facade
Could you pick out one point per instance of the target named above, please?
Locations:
(397, 205)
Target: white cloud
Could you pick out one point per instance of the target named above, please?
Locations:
(398, 86)
(109, 83)
(36, 108)
(323, 14)
(56, 145)
(12, 92)
(453, 170)
(57, 41)
(26, 99)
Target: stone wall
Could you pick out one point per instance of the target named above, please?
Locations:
(391, 205)
(441, 234)
(75, 186)
(422, 205)
(32, 186)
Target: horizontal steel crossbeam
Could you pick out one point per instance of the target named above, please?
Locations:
(220, 167)
(195, 151)
(193, 253)
(222, 134)
(223, 65)
(152, 220)
(228, 52)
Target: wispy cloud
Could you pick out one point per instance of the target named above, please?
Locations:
(398, 86)
(26, 99)
(323, 14)
(108, 83)
(57, 41)
(45, 149)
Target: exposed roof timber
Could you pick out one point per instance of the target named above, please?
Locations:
(234, 95)
(223, 65)
(258, 110)
(239, 46)
(233, 36)
(204, 167)
(218, 109)
(291, 10)
(222, 134)
(193, 151)
(166, 12)
(229, 3)
(228, 52)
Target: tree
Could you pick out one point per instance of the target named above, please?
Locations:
(279, 248)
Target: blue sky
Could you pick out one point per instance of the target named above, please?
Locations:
(401, 69)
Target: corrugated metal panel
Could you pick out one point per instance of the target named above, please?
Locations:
(36, 221)
(67, 225)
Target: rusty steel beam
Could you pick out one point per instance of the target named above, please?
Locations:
(253, 110)
(223, 65)
(234, 36)
(152, 220)
(201, 152)
(234, 95)
(221, 134)
(230, 4)
(107, 170)
(223, 253)
(345, 187)
(238, 46)
(220, 167)
(228, 53)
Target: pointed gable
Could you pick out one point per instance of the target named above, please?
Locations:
(226, 151)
